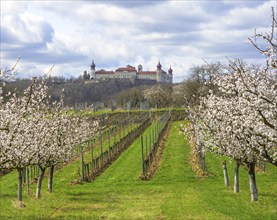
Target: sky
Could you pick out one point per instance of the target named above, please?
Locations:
(178, 33)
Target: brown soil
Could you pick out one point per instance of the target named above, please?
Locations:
(158, 157)
(193, 160)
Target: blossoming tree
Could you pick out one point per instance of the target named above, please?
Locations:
(60, 135)
(240, 119)
(36, 132)
(19, 120)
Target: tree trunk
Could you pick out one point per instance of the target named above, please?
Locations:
(50, 179)
(20, 182)
(225, 173)
(39, 183)
(202, 162)
(24, 175)
(236, 177)
(252, 181)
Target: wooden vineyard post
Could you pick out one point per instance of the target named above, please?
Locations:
(150, 148)
(109, 150)
(157, 132)
(82, 164)
(114, 143)
(28, 180)
(236, 177)
(146, 151)
(109, 137)
(101, 151)
(92, 165)
(87, 169)
(153, 136)
(264, 166)
(225, 173)
(142, 156)
(150, 139)
(120, 132)
(31, 172)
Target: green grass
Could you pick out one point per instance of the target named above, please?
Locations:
(174, 193)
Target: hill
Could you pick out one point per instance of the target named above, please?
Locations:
(79, 91)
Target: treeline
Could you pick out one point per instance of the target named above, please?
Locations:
(79, 91)
(119, 92)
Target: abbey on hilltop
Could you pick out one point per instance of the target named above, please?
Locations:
(130, 72)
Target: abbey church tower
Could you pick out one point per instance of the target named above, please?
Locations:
(92, 71)
(159, 72)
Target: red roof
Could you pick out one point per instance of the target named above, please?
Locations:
(104, 72)
(128, 68)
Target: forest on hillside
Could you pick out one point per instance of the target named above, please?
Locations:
(117, 93)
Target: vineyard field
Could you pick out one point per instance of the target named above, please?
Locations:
(175, 191)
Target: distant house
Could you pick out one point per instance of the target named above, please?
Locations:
(130, 72)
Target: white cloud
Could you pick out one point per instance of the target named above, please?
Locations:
(70, 34)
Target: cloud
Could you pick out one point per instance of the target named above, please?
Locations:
(26, 28)
(25, 35)
(129, 3)
(70, 34)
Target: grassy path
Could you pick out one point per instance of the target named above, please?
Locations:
(174, 193)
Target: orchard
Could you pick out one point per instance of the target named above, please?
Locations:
(238, 117)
